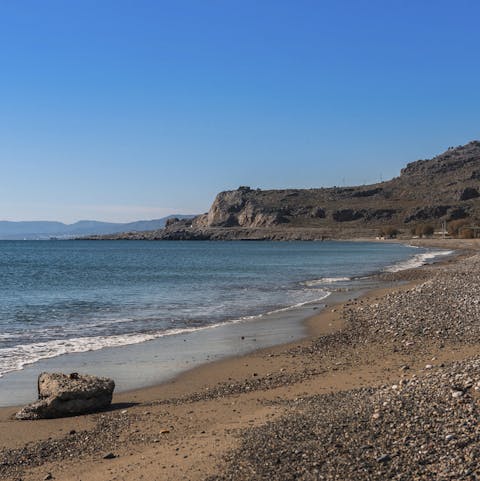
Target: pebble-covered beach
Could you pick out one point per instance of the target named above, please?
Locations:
(392, 391)
(422, 426)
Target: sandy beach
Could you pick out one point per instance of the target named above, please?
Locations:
(383, 387)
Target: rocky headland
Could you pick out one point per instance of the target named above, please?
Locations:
(445, 188)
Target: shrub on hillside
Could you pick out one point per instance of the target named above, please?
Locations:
(428, 230)
(455, 227)
(388, 232)
(422, 230)
(466, 233)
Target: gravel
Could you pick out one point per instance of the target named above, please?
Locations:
(419, 428)
(412, 430)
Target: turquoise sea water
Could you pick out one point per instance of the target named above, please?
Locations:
(59, 297)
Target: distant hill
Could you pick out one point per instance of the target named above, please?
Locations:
(444, 188)
(33, 230)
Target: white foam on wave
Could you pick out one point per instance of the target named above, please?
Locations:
(325, 280)
(300, 304)
(417, 260)
(17, 357)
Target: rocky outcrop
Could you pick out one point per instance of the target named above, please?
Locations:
(225, 209)
(454, 160)
(171, 221)
(347, 215)
(427, 213)
(61, 395)
(456, 213)
(380, 214)
(444, 188)
(240, 208)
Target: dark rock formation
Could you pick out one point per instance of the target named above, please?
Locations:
(367, 193)
(469, 193)
(380, 214)
(61, 395)
(427, 213)
(347, 215)
(318, 213)
(171, 221)
(456, 213)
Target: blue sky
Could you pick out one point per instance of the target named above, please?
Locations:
(121, 110)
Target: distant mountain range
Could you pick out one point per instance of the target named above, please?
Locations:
(33, 230)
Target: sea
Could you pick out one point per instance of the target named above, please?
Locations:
(63, 297)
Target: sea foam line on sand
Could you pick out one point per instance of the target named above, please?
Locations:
(17, 357)
(418, 260)
(325, 280)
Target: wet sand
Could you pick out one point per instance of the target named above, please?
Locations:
(154, 362)
(183, 428)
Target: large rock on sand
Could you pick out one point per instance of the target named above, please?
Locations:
(61, 395)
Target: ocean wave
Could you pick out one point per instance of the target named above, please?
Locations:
(325, 280)
(417, 260)
(296, 306)
(17, 357)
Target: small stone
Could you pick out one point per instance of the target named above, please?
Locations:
(428, 366)
(164, 431)
(48, 476)
(384, 458)
(109, 456)
(449, 437)
(457, 394)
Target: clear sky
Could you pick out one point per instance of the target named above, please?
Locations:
(120, 110)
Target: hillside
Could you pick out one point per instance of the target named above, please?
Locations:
(444, 188)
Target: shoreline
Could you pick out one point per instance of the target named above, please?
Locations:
(184, 428)
(326, 322)
(225, 341)
(276, 328)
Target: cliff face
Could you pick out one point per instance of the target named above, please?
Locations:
(244, 208)
(443, 188)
